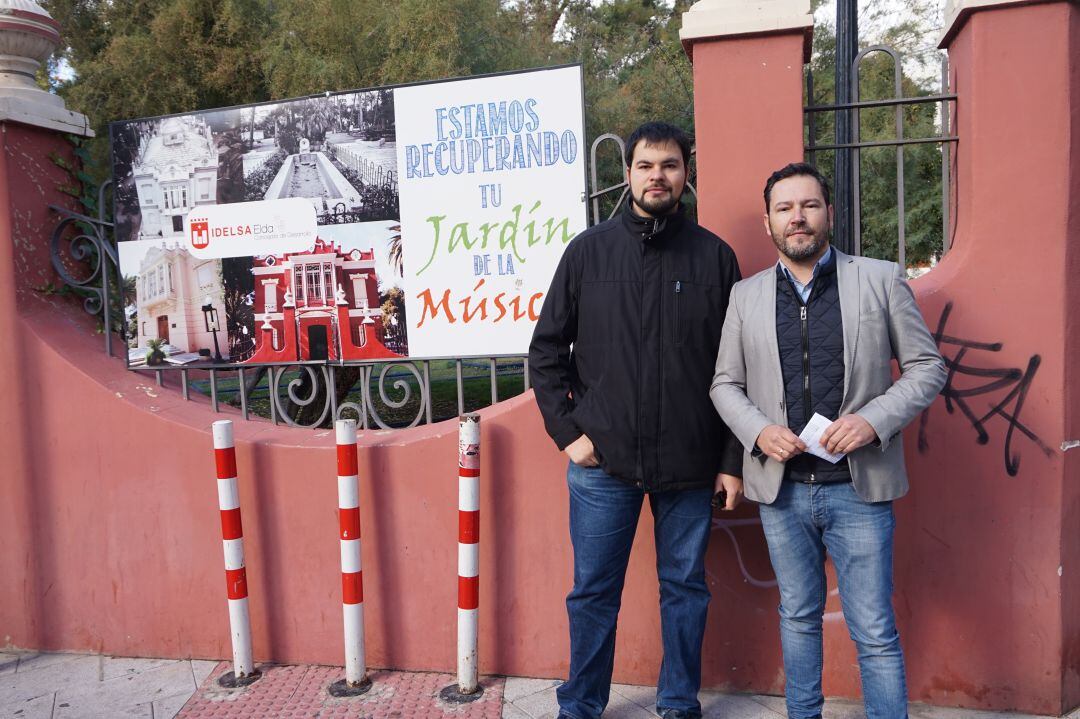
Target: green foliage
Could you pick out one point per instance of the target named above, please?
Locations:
(393, 319)
(258, 182)
(155, 355)
(635, 70)
(139, 58)
(393, 305)
(135, 58)
(878, 166)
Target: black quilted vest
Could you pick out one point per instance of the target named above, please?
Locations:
(812, 362)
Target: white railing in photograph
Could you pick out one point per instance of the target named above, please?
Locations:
(371, 173)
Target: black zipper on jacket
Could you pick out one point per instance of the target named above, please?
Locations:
(678, 326)
(805, 331)
(660, 354)
(805, 363)
(640, 371)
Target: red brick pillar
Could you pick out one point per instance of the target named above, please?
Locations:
(748, 107)
(748, 110)
(33, 125)
(1001, 589)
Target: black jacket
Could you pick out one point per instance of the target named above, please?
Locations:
(625, 348)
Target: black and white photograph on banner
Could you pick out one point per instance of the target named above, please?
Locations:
(336, 151)
(165, 167)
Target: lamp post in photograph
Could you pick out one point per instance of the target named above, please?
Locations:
(210, 319)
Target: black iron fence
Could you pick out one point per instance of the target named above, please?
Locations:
(390, 393)
(899, 143)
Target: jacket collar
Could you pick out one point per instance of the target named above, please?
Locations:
(848, 284)
(825, 265)
(650, 229)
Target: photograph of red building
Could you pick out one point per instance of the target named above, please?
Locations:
(318, 304)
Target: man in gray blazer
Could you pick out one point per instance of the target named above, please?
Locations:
(816, 335)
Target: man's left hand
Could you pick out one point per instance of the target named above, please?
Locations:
(847, 434)
(733, 486)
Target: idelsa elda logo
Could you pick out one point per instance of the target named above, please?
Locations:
(200, 233)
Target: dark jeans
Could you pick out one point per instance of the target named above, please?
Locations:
(604, 515)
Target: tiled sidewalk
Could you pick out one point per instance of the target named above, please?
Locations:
(78, 686)
(535, 699)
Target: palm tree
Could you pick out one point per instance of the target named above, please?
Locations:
(127, 288)
(125, 318)
(395, 251)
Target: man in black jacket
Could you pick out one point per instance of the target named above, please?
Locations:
(621, 360)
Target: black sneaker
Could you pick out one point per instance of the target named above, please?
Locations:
(679, 714)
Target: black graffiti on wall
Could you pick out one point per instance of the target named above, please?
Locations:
(1013, 381)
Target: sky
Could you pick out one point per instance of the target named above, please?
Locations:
(924, 66)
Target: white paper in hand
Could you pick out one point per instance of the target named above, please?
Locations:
(812, 436)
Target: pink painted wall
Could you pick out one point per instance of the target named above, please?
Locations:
(110, 530)
(1070, 503)
(112, 540)
(121, 552)
(987, 594)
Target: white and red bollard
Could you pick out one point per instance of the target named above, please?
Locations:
(232, 536)
(352, 575)
(468, 687)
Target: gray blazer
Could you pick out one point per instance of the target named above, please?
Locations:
(881, 323)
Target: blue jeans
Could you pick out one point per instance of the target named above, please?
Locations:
(804, 522)
(604, 515)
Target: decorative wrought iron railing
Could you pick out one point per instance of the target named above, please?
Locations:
(89, 262)
(311, 394)
(898, 102)
(385, 394)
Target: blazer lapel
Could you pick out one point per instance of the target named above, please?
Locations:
(767, 307)
(847, 280)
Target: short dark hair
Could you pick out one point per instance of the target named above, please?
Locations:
(655, 133)
(794, 170)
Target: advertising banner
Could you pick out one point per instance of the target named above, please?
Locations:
(416, 221)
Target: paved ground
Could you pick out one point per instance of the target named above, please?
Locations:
(79, 686)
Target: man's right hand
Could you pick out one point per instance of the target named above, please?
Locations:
(779, 442)
(581, 452)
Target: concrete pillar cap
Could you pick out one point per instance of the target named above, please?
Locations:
(28, 36)
(958, 11)
(708, 19)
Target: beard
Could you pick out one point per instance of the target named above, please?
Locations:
(800, 252)
(657, 206)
